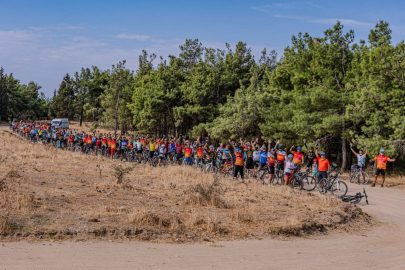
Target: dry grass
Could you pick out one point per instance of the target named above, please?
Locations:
(64, 195)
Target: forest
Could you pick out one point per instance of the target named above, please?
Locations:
(326, 88)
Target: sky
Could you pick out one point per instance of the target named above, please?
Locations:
(42, 40)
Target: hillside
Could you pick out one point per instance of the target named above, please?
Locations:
(58, 195)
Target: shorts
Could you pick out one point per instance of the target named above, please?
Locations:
(112, 151)
(151, 154)
(288, 174)
(314, 174)
(271, 169)
(249, 163)
(380, 171)
(188, 160)
(139, 151)
(281, 166)
(262, 165)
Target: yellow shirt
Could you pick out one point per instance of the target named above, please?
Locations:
(152, 147)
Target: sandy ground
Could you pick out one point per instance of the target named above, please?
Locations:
(380, 248)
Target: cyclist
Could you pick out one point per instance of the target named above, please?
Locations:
(382, 160)
(200, 151)
(162, 153)
(179, 150)
(281, 154)
(361, 157)
(256, 155)
(323, 165)
(113, 143)
(298, 156)
(310, 154)
(271, 161)
(226, 155)
(249, 158)
(139, 150)
(123, 146)
(188, 152)
(152, 148)
(289, 168)
(239, 163)
(263, 157)
(212, 155)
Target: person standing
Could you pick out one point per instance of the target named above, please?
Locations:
(323, 165)
(239, 163)
(382, 160)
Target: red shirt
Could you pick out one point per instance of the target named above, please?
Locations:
(188, 151)
(297, 159)
(323, 164)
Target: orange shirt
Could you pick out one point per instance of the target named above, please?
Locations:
(297, 159)
(323, 164)
(187, 152)
(271, 158)
(281, 156)
(381, 162)
(108, 143)
(239, 159)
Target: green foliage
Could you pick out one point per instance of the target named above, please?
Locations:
(325, 87)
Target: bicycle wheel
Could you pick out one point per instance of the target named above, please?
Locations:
(362, 178)
(279, 177)
(214, 170)
(297, 183)
(264, 176)
(339, 189)
(323, 186)
(352, 177)
(309, 183)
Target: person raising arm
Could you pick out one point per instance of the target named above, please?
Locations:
(382, 160)
(323, 165)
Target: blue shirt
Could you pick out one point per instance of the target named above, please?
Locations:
(263, 157)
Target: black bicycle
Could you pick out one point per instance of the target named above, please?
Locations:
(355, 198)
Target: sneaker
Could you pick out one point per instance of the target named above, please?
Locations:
(372, 185)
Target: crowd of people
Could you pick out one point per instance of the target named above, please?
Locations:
(244, 157)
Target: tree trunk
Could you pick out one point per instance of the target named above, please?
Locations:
(81, 115)
(344, 155)
(116, 113)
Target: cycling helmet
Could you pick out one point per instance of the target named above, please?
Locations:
(203, 142)
(311, 148)
(263, 148)
(187, 141)
(163, 146)
(273, 149)
(290, 156)
(280, 146)
(322, 154)
(165, 139)
(212, 147)
(382, 150)
(240, 150)
(227, 145)
(299, 148)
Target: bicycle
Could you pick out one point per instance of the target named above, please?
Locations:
(357, 175)
(333, 184)
(278, 175)
(308, 181)
(355, 198)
